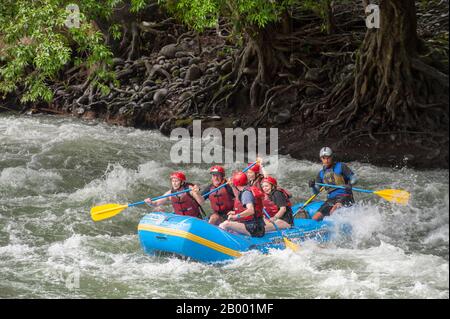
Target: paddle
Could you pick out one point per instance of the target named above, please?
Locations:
(312, 197)
(225, 184)
(110, 210)
(392, 195)
(287, 242)
(309, 200)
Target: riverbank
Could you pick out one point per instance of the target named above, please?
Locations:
(387, 151)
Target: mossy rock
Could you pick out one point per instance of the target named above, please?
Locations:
(183, 122)
(175, 73)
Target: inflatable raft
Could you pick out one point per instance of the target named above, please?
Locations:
(197, 239)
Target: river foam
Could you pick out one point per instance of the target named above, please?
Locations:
(53, 170)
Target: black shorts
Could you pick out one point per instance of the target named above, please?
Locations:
(288, 217)
(222, 214)
(255, 227)
(329, 203)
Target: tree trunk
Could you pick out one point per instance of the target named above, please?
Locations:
(330, 20)
(267, 65)
(258, 64)
(388, 90)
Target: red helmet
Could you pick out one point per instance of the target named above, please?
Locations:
(240, 179)
(217, 169)
(255, 168)
(179, 175)
(270, 180)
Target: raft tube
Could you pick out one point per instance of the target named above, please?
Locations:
(197, 239)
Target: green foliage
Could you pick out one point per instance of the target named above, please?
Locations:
(36, 44)
(320, 7)
(115, 31)
(244, 14)
(197, 14)
(137, 5)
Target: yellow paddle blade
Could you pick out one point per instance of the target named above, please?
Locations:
(394, 195)
(290, 244)
(106, 211)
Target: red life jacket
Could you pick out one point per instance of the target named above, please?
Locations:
(185, 204)
(258, 206)
(287, 194)
(221, 201)
(271, 207)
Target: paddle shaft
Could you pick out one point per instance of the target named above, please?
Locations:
(287, 242)
(161, 197)
(392, 195)
(120, 208)
(187, 190)
(343, 187)
(215, 190)
(273, 223)
(312, 197)
(308, 201)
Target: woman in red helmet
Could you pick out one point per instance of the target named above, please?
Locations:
(247, 215)
(183, 204)
(277, 204)
(255, 175)
(222, 201)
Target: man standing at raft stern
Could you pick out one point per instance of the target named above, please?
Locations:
(247, 216)
(335, 174)
(222, 201)
(185, 203)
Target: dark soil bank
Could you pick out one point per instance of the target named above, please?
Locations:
(180, 77)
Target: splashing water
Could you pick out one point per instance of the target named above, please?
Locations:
(53, 170)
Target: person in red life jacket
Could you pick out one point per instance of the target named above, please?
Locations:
(247, 216)
(277, 204)
(255, 175)
(185, 203)
(333, 173)
(221, 201)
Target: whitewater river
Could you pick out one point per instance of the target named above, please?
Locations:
(53, 170)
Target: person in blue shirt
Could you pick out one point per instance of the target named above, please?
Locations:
(247, 214)
(334, 173)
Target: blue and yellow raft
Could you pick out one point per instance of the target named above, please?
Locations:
(197, 239)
